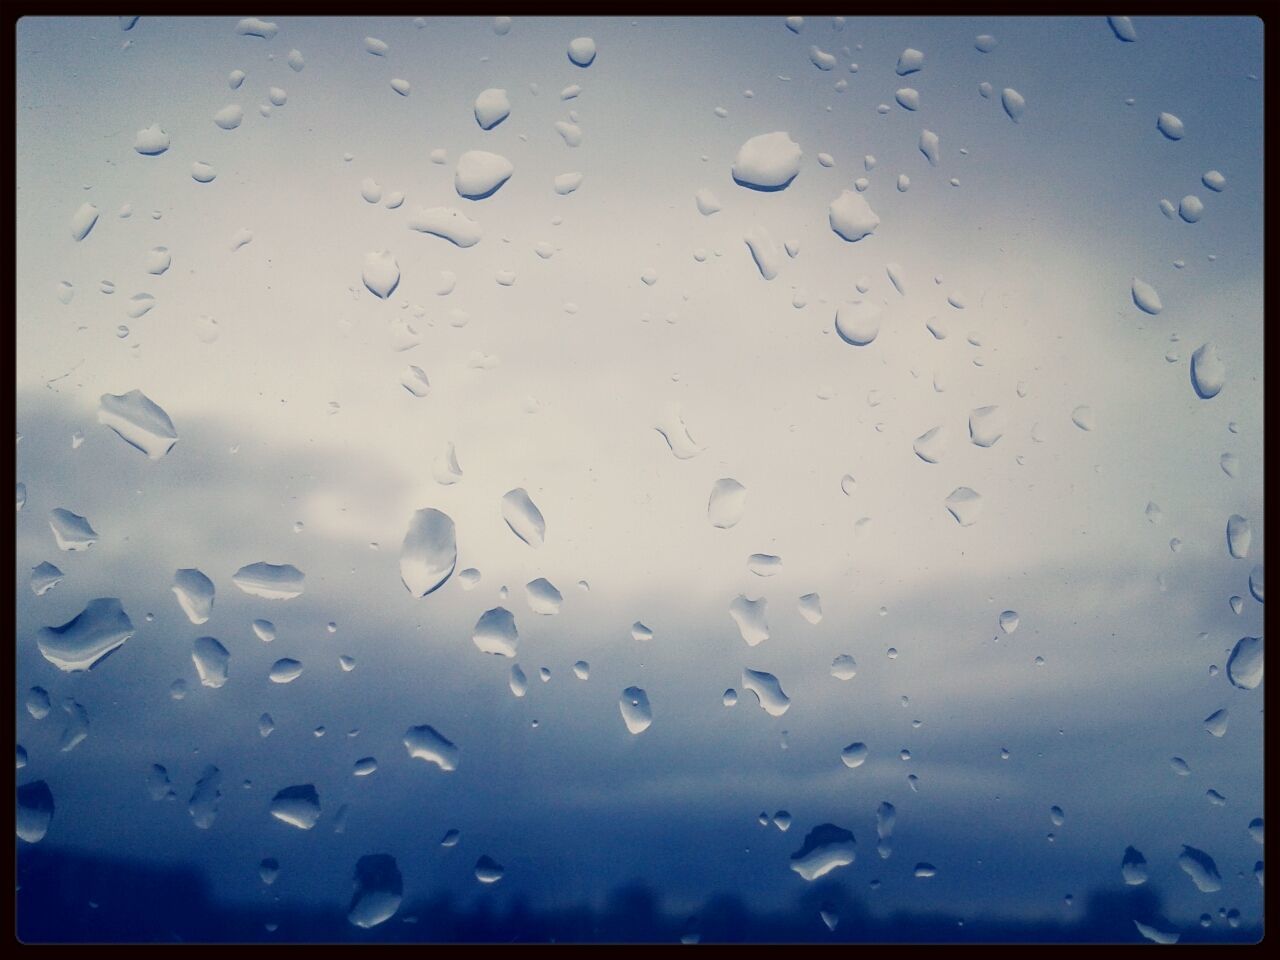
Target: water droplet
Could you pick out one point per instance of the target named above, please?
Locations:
(381, 273)
(1208, 373)
(203, 805)
(854, 755)
(929, 146)
(1082, 417)
(764, 564)
(195, 594)
(635, 709)
(429, 552)
(582, 51)
(34, 811)
(1145, 297)
(230, 116)
(523, 517)
(480, 174)
(1199, 866)
(298, 806)
(767, 162)
(825, 848)
(448, 223)
(265, 725)
(925, 870)
(810, 607)
(1244, 667)
(965, 505)
(139, 421)
(1216, 723)
(90, 637)
(858, 323)
(749, 615)
(270, 581)
(495, 632)
(44, 577)
(986, 426)
(768, 691)
(285, 670)
(491, 108)
(212, 661)
(82, 220)
(1170, 126)
(425, 743)
(674, 431)
(908, 98)
(847, 485)
(851, 217)
(379, 889)
(151, 141)
(543, 597)
(844, 667)
(1239, 536)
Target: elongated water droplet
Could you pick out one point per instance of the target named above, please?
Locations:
(1208, 372)
(929, 146)
(1170, 126)
(1216, 723)
(523, 517)
(34, 811)
(749, 615)
(90, 637)
(270, 581)
(1145, 297)
(82, 220)
(764, 251)
(1199, 866)
(426, 743)
(673, 430)
(212, 661)
(285, 670)
(203, 805)
(1256, 583)
(764, 564)
(195, 594)
(635, 709)
(139, 421)
(378, 891)
(727, 503)
(1014, 104)
(810, 607)
(447, 223)
(1239, 536)
(825, 848)
(768, 691)
(1244, 666)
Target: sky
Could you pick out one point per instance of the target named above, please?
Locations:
(298, 444)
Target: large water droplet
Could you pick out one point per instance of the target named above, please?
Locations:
(381, 273)
(479, 174)
(768, 691)
(858, 323)
(1208, 372)
(1145, 297)
(965, 505)
(203, 805)
(270, 581)
(854, 755)
(426, 743)
(1014, 103)
(1239, 536)
(851, 217)
(635, 709)
(195, 594)
(727, 503)
(495, 632)
(212, 661)
(523, 517)
(987, 425)
(582, 51)
(285, 670)
(492, 107)
(139, 421)
(151, 141)
(825, 848)
(1199, 866)
(429, 552)
(70, 530)
(90, 637)
(543, 597)
(749, 615)
(1244, 666)
(298, 806)
(34, 811)
(379, 889)
(768, 162)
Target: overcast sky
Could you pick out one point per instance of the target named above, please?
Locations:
(295, 414)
